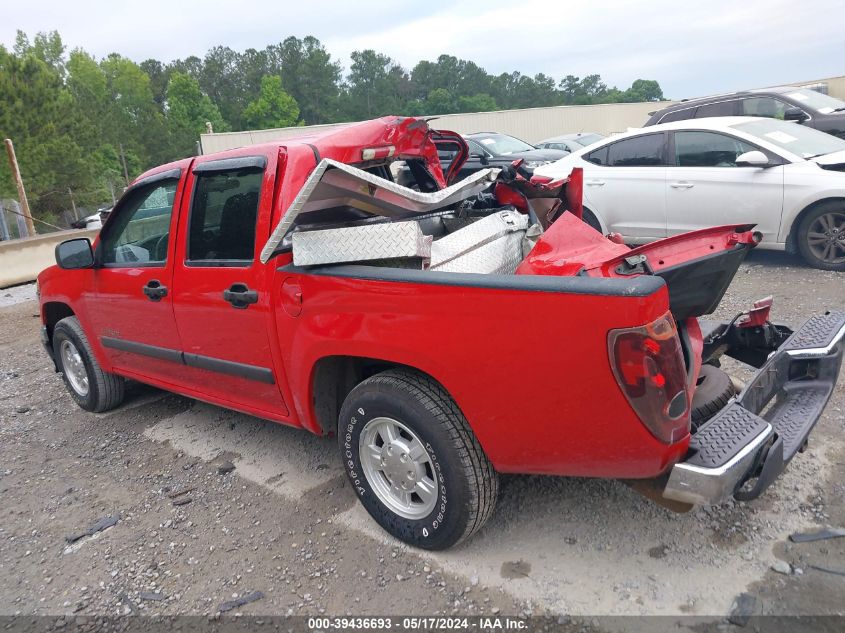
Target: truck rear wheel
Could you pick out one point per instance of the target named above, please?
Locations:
(91, 387)
(413, 460)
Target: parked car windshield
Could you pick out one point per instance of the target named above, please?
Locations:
(499, 144)
(588, 139)
(798, 139)
(816, 100)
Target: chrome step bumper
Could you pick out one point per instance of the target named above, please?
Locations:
(757, 434)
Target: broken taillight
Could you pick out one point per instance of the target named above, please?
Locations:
(648, 364)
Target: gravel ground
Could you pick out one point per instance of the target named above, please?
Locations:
(212, 505)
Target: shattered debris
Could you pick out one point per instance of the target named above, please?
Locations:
(225, 468)
(99, 526)
(821, 535)
(743, 609)
(239, 602)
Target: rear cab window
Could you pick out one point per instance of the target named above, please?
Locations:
(224, 211)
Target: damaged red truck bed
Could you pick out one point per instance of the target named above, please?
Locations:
(443, 331)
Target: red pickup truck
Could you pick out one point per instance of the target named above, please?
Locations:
(343, 283)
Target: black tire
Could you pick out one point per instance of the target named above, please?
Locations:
(834, 212)
(589, 218)
(713, 390)
(466, 485)
(105, 391)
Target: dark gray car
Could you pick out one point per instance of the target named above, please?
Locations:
(491, 149)
(788, 103)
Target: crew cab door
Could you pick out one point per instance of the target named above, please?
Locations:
(625, 185)
(705, 187)
(220, 289)
(131, 306)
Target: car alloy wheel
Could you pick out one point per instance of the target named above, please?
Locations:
(398, 467)
(74, 368)
(826, 237)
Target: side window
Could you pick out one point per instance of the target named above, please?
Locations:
(707, 149)
(140, 231)
(223, 214)
(722, 108)
(678, 115)
(640, 151)
(597, 157)
(764, 106)
(475, 148)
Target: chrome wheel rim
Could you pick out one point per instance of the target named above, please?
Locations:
(398, 468)
(826, 237)
(74, 368)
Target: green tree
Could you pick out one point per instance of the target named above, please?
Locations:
(376, 86)
(273, 108)
(159, 75)
(188, 110)
(477, 103)
(39, 114)
(440, 101)
(221, 78)
(643, 90)
(309, 75)
(48, 47)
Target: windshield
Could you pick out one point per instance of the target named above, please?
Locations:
(798, 139)
(499, 144)
(816, 100)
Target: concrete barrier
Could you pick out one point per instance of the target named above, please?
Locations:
(22, 260)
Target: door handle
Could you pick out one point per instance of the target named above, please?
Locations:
(595, 183)
(154, 290)
(682, 185)
(240, 296)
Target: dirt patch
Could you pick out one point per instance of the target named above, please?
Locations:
(283, 523)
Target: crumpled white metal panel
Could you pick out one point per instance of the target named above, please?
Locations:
(344, 185)
(360, 243)
(492, 245)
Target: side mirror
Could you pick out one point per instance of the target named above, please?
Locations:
(795, 114)
(754, 158)
(481, 158)
(75, 253)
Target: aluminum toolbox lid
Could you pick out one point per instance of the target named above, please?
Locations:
(490, 244)
(361, 243)
(337, 184)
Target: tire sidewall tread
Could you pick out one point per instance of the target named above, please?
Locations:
(105, 390)
(467, 482)
(803, 229)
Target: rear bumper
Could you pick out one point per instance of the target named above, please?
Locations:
(742, 450)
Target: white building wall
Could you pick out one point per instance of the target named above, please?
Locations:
(531, 124)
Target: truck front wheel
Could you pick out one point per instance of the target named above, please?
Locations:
(413, 460)
(91, 387)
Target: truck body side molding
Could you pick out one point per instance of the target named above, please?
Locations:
(231, 368)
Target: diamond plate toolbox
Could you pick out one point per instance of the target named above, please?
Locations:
(361, 243)
(492, 245)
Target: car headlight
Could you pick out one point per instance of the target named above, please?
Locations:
(533, 164)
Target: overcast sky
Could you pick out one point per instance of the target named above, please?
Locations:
(690, 48)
